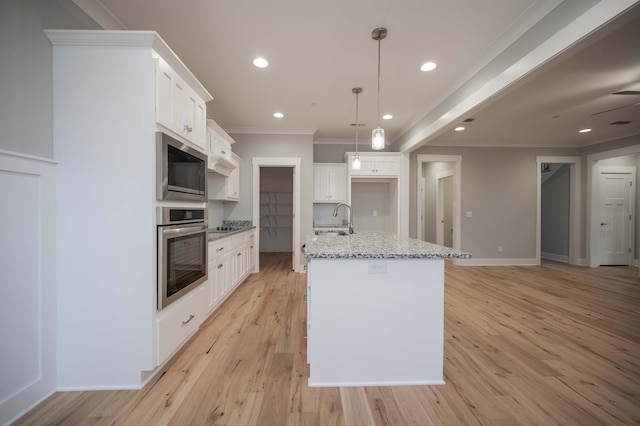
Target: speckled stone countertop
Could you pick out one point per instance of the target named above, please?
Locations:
(376, 245)
(214, 235)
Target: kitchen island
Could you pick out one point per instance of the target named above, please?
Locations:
(375, 310)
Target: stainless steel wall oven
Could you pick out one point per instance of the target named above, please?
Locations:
(182, 252)
(181, 171)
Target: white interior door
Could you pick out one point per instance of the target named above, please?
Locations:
(616, 212)
(444, 208)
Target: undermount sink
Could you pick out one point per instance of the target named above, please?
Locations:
(331, 233)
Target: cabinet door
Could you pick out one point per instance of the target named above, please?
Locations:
(233, 184)
(367, 166)
(200, 125)
(190, 108)
(213, 142)
(387, 166)
(338, 184)
(169, 94)
(321, 183)
(219, 277)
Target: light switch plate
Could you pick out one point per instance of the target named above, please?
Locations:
(469, 214)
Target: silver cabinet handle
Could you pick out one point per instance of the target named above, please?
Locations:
(220, 249)
(223, 152)
(604, 223)
(188, 128)
(220, 266)
(239, 254)
(189, 320)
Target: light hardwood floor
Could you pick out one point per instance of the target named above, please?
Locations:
(553, 344)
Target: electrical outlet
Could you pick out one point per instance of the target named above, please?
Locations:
(377, 266)
(499, 249)
(469, 214)
(375, 213)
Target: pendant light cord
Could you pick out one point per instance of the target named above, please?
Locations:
(379, 82)
(357, 123)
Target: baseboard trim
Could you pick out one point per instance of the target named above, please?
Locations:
(554, 257)
(497, 262)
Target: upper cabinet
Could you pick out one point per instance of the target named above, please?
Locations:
(219, 150)
(178, 107)
(377, 166)
(329, 183)
(225, 188)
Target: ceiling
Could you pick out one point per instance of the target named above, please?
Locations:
(493, 66)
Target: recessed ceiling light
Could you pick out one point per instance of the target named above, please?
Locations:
(584, 130)
(260, 62)
(387, 117)
(459, 128)
(278, 114)
(428, 66)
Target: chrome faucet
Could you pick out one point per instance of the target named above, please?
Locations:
(335, 214)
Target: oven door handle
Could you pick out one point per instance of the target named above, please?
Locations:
(182, 230)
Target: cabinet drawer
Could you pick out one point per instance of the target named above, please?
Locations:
(178, 322)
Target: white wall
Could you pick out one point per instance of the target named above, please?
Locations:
(26, 86)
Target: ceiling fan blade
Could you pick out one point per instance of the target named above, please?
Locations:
(615, 109)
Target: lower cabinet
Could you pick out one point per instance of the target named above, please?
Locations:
(231, 260)
(178, 322)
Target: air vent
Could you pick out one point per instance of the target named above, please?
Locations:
(627, 92)
(620, 123)
(468, 120)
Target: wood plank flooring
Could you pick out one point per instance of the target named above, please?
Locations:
(553, 344)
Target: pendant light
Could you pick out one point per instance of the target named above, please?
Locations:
(377, 136)
(355, 164)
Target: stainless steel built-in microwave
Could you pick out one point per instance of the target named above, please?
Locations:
(181, 170)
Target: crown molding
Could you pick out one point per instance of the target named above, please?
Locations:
(270, 131)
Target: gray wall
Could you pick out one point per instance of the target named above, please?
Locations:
(248, 146)
(26, 86)
(554, 213)
(499, 188)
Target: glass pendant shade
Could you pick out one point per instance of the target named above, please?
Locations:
(377, 138)
(355, 164)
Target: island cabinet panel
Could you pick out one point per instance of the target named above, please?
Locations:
(375, 322)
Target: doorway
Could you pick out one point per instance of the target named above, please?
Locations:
(444, 208)
(438, 199)
(572, 226)
(628, 157)
(282, 203)
(276, 209)
(617, 208)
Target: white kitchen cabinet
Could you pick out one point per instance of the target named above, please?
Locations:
(178, 107)
(225, 188)
(377, 166)
(112, 75)
(329, 183)
(231, 260)
(221, 158)
(176, 323)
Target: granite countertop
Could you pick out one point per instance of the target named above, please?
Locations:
(214, 235)
(376, 245)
